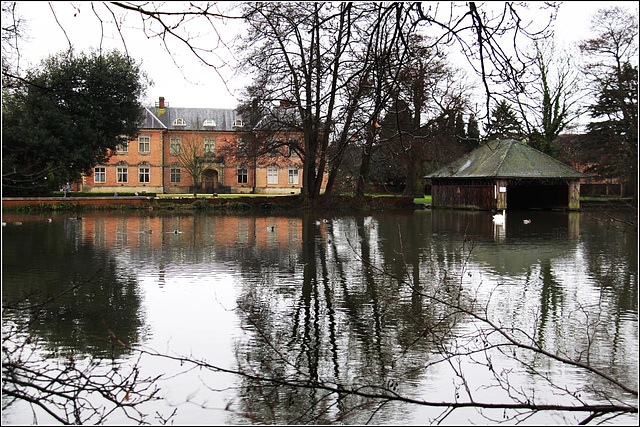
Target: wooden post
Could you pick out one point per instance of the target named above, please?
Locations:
(574, 195)
(501, 194)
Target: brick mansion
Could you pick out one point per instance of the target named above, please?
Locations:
(151, 163)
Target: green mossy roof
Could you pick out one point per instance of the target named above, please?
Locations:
(506, 158)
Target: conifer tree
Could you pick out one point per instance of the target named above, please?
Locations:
(504, 123)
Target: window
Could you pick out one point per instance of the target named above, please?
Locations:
(179, 122)
(175, 145)
(238, 123)
(122, 174)
(243, 175)
(143, 174)
(293, 176)
(209, 145)
(209, 123)
(144, 143)
(176, 174)
(272, 175)
(100, 174)
(123, 148)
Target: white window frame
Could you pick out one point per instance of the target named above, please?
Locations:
(122, 174)
(175, 173)
(238, 123)
(272, 175)
(179, 122)
(209, 123)
(174, 142)
(144, 172)
(245, 174)
(144, 141)
(100, 174)
(294, 176)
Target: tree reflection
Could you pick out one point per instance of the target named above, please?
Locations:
(380, 303)
(103, 307)
(347, 319)
(347, 328)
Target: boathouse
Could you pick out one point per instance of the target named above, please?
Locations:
(505, 174)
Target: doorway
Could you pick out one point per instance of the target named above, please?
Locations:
(210, 181)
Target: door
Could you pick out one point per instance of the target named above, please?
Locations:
(210, 181)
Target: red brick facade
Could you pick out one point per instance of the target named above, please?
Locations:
(149, 164)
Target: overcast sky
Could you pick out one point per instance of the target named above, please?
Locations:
(193, 84)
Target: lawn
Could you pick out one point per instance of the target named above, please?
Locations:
(426, 200)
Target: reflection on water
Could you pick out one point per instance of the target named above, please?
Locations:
(344, 301)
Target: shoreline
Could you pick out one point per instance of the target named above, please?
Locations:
(238, 203)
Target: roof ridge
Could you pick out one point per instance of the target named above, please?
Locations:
(511, 141)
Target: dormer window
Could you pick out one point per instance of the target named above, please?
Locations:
(209, 123)
(238, 123)
(179, 122)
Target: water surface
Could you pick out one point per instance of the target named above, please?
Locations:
(342, 300)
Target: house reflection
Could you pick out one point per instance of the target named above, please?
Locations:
(139, 231)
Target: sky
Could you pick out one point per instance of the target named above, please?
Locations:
(191, 84)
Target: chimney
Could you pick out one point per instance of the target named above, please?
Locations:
(161, 103)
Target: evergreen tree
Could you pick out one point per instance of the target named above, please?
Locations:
(66, 117)
(612, 136)
(473, 132)
(504, 123)
(461, 132)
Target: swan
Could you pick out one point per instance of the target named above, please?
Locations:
(526, 221)
(499, 218)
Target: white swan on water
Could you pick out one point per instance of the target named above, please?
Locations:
(500, 218)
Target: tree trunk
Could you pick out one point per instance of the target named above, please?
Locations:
(363, 175)
(414, 187)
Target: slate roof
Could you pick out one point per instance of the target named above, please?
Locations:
(194, 118)
(150, 121)
(506, 158)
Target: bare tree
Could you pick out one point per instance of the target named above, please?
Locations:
(301, 56)
(611, 67)
(192, 157)
(547, 97)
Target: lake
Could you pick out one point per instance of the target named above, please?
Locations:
(315, 317)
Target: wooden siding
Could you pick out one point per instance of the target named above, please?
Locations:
(462, 194)
(516, 194)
